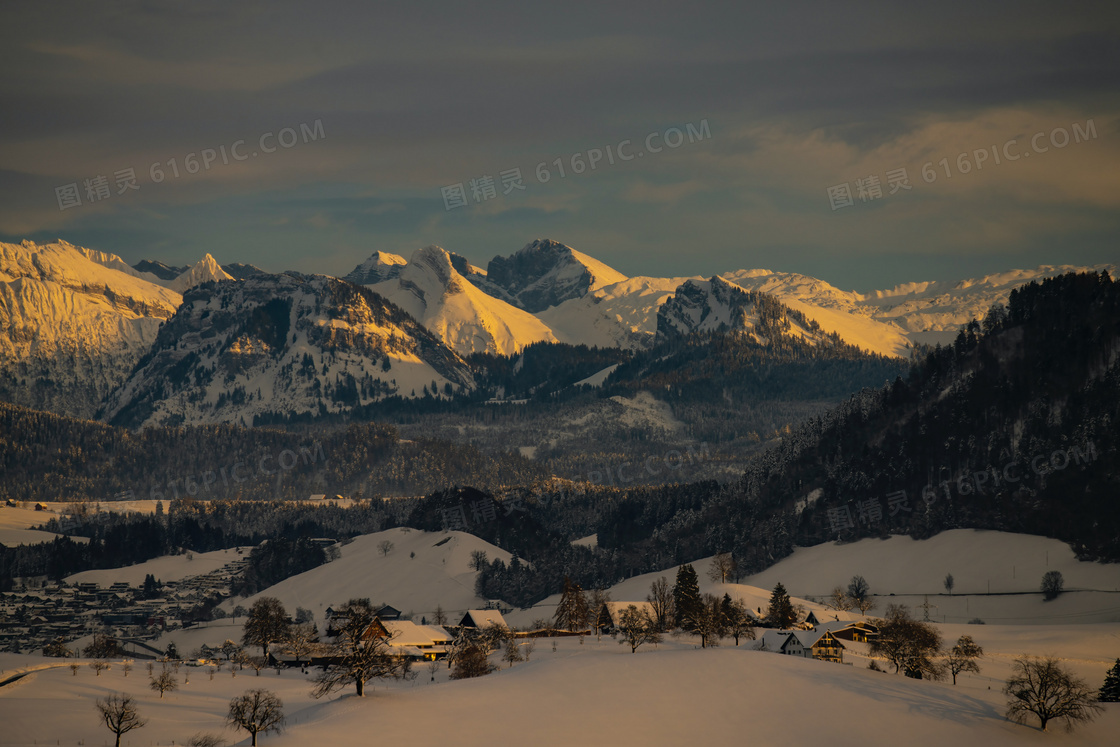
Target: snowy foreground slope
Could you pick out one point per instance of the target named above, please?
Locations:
(675, 694)
(671, 694)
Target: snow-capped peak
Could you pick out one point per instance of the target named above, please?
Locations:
(205, 270)
(450, 307)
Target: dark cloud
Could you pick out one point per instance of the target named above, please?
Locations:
(418, 96)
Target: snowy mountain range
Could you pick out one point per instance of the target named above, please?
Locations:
(282, 345)
(77, 322)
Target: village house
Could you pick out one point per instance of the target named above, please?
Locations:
(809, 644)
(860, 631)
(421, 642)
(481, 618)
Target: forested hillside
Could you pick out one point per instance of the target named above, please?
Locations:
(1013, 427)
(51, 457)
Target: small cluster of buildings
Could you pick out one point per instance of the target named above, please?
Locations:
(405, 638)
(38, 612)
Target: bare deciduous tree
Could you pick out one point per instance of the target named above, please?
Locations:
(1041, 687)
(257, 712)
(266, 623)
(385, 547)
(478, 560)
(119, 713)
(637, 627)
(739, 622)
(908, 644)
(358, 654)
(256, 663)
(839, 600)
(660, 598)
(1052, 585)
(723, 568)
(512, 652)
(301, 641)
(164, 682)
(99, 666)
(962, 657)
(859, 592)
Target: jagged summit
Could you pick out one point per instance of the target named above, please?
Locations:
(380, 266)
(159, 269)
(716, 305)
(546, 273)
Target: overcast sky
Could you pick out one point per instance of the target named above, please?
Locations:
(390, 106)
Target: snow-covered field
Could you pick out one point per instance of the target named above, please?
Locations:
(164, 569)
(16, 523)
(674, 694)
(671, 694)
(1009, 566)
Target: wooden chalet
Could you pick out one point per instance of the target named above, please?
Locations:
(809, 644)
(860, 631)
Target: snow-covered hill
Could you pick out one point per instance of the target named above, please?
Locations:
(996, 576)
(282, 344)
(433, 291)
(73, 323)
(423, 570)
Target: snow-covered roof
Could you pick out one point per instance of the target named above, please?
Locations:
(773, 640)
(482, 618)
(834, 625)
(408, 633)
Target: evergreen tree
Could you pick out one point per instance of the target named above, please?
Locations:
(1110, 693)
(686, 598)
(781, 613)
(571, 612)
